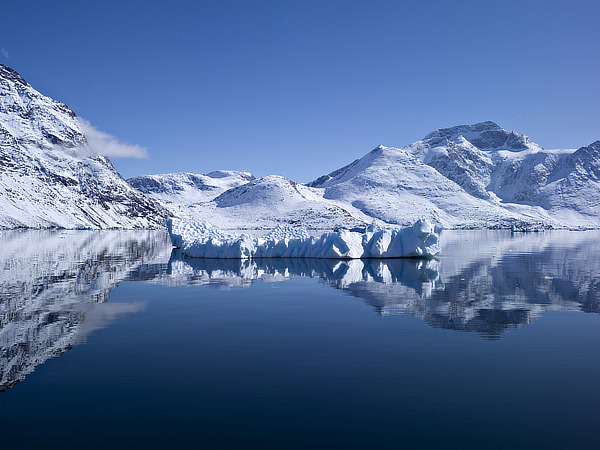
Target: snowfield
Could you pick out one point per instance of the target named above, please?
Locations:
(200, 239)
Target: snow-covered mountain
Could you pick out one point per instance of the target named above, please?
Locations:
(468, 176)
(269, 200)
(473, 176)
(48, 175)
(188, 188)
(237, 200)
(394, 186)
(180, 191)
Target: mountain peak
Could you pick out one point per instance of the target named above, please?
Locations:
(483, 135)
(11, 75)
(460, 129)
(595, 145)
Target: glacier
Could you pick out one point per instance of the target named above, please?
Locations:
(202, 240)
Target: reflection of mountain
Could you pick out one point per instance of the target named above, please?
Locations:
(54, 285)
(54, 289)
(487, 282)
(495, 281)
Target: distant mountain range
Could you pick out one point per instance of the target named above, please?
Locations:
(468, 176)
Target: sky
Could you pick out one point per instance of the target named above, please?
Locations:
(301, 88)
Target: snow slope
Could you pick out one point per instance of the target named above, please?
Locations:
(257, 204)
(473, 176)
(50, 178)
(179, 190)
(393, 185)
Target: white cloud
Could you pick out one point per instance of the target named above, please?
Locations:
(4, 52)
(105, 144)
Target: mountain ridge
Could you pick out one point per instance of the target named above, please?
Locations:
(509, 179)
(49, 178)
(465, 176)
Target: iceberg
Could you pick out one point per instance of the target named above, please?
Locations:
(202, 240)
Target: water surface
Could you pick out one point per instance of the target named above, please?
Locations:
(113, 339)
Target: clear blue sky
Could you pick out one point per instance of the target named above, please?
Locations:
(301, 88)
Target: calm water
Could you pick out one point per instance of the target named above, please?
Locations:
(111, 340)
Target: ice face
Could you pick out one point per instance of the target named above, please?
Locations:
(200, 239)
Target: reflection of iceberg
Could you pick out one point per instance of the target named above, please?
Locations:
(487, 282)
(419, 276)
(54, 287)
(201, 240)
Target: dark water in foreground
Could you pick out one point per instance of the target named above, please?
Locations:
(110, 340)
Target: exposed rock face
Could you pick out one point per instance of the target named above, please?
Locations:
(485, 136)
(48, 175)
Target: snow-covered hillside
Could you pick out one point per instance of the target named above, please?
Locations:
(179, 191)
(236, 200)
(473, 176)
(48, 175)
(269, 200)
(187, 188)
(394, 186)
(467, 176)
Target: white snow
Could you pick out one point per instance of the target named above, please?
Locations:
(248, 203)
(473, 176)
(200, 239)
(49, 177)
(468, 176)
(179, 190)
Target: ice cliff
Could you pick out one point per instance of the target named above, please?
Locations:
(200, 239)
